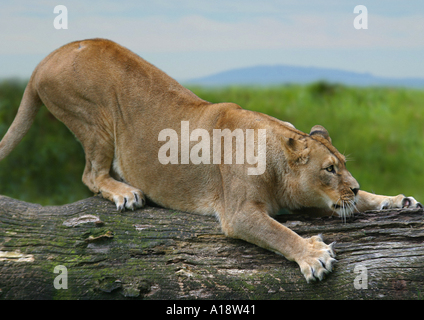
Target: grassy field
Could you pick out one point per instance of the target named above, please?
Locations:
(380, 130)
(46, 167)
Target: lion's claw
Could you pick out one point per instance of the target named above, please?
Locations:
(410, 202)
(318, 260)
(132, 201)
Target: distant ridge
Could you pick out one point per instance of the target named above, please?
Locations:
(282, 74)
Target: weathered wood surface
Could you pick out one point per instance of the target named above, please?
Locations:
(154, 253)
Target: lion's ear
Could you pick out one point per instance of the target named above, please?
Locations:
(295, 150)
(320, 131)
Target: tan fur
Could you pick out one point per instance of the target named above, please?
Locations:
(116, 104)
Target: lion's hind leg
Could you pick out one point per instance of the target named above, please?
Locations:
(122, 194)
(97, 178)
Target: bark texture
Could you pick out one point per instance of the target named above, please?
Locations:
(155, 253)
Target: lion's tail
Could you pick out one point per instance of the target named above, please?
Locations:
(27, 111)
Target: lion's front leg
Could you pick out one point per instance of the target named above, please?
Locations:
(369, 201)
(251, 223)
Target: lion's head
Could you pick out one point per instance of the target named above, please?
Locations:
(318, 175)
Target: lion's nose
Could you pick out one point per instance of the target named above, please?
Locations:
(355, 190)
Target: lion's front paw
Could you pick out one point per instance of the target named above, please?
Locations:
(400, 201)
(317, 258)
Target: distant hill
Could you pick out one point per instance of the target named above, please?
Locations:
(281, 74)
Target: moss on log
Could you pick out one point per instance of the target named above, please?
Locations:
(155, 253)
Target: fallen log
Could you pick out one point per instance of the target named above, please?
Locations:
(86, 250)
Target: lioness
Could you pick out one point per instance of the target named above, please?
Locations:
(117, 105)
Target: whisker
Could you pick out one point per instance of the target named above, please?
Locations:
(344, 212)
(342, 209)
(345, 209)
(347, 157)
(354, 206)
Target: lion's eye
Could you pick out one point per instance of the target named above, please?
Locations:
(330, 169)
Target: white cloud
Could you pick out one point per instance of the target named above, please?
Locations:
(198, 33)
(189, 28)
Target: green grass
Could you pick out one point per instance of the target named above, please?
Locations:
(47, 166)
(380, 130)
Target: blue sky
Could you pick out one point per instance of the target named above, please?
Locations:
(188, 38)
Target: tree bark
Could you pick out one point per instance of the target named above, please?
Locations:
(155, 253)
